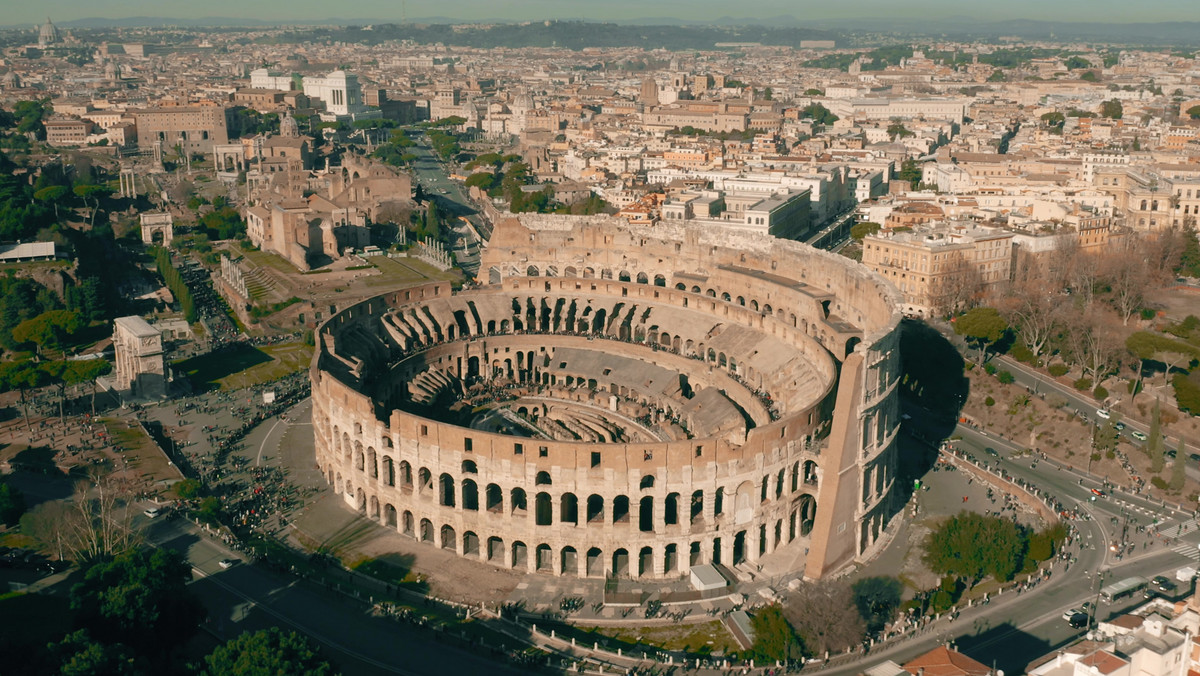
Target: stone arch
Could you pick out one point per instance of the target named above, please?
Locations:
(426, 530)
(493, 498)
(646, 514)
(446, 490)
(594, 563)
(389, 515)
(531, 271)
(645, 561)
(408, 527)
(595, 509)
(373, 507)
(681, 287)
(543, 509)
(810, 473)
(660, 280)
(808, 513)
(543, 558)
(389, 471)
(697, 506)
(470, 544)
(542, 479)
(620, 563)
(671, 509)
(372, 465)
(449, 537)
(470, 495)
(495, 549)
(647, 481)
(424, 479)
(623, 276)
(568, 508)
(468, 467)
(851, 344)
(517, 500)
(568, 561)
(620, 509)
(643, 278)
(520, 555)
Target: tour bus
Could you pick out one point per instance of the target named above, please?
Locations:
(1127, 587)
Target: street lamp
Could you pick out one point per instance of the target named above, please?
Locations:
(1096, 603)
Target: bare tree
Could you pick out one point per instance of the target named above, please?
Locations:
(1096, 341)
(1082, 276)
(959, 287)
(1034, 312)
(823, 614)
(102, 523)
(1128, 279)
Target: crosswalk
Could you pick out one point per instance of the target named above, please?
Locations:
(1187, 549)
(1184, 528)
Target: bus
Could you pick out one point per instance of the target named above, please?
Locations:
(1127, 587)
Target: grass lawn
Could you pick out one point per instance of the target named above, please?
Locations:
(404, 272)
(245, 365)
(259, 258)
(143, 456)
(702, 637)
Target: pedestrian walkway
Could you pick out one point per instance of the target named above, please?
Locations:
(1187, 549)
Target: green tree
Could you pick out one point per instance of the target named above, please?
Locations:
(898, 130)
(1089, 76)
(910, 170)
(818, 113)
(79, 655)
(860, 230)
(983, 326)
(877, 599)
(139, 598)
(91, 192)
(51, 195)
(188, 489)
(972, 546)
(21, 376)
(1112, 109)
(1193, 112)
(267, 652)
(774, 638)
(1077, 62)
(482, 179)
(1154, 440)
(12, 504)
(1054, 119)
(50, 330)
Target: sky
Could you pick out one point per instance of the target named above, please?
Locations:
(1115, 11)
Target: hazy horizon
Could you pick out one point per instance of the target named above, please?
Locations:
(1109, 11)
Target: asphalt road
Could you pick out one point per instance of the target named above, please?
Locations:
(251, 597)
(1014, 629)
(431, 173)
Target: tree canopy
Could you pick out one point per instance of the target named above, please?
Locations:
(267, 652)
(982, 326)
(139, 598)
(972, 546)
(774, 638)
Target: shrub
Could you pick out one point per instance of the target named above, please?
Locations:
(1005, 377)
(1058, 370)
(989, 402)
(1022, 354)
(989, 368)
(1158, 483)
(1083, 384)
(1100, 392)
(1148, 313)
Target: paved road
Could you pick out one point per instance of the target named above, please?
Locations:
(250, 597)
(432, 175)
(1014, 629)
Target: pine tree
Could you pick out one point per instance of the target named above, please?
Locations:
(1154, 444)
(1178, 475)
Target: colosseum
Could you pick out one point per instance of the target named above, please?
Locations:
(625, 401)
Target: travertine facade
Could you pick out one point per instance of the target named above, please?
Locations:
(680, 396)
(138, 351)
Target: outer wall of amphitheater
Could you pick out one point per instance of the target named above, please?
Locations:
(817, 476)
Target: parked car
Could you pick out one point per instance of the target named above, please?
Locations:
(1139, 435)
(1078, 621)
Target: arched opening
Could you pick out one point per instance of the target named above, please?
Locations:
(623, 276)
(568, 508)
(468, 467)
(595, 509)
(810, 473)
(670, 558)
(646, 561)
(646, 514)
(426, 530)
(544, 559)
(671, 509)
(808, 513)
(495, 550)
(409, 528)
(569, 561)
(542, 479)
(389, 515)
(660, 280)
(520, 555)
(470, 495)
(446, 494)
(494, 498)
(470, 544)
(449, 538)
(531, 271)
(406, 479)
(424, 479)
(517, 500)
(697, 511)
(739, 547)
(594, 563)
(643, 278)
(543, 509)
(620, 563)
(389, 471)
(851, 343)
(647, 481)
(621, 509)
(373, 507)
